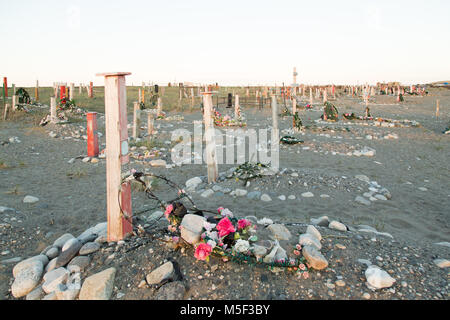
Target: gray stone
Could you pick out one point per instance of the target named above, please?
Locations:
(279, 232)
(88, 248)
(240, 192)
(192, 183)
(363, 201)
(52, 252)
(7, 210)
(380, 197)
(50, 296)
(321, 221)
(78, 264)
(51, 265)
(192, 226)
(164, 272)
(259, 251)
(30, 199)
(207, 193)
(25, 264)
(444, 244)
(36, 294)
(64, 293)
(378, 278)
(362, 178)
(217, 188)
(70, 252)
(254, 195)
(315, 259)
(27, 278)
(62, 240)
(53, 278)
(307, 195)
(336, 225)
(307, 239)
(365, 261)
(98, 286)
(92, 233)
(171, 291)
(442, 263)
(314, 232)
(266, 198)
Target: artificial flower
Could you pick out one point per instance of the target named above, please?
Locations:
(241, 246)
(202, 251)
(225, 227)
(305, 275)
(243, 223)
(169, 209)
(226, 213)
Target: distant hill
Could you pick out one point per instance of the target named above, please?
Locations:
(445, 84)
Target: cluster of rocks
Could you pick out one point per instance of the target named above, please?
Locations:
(56, 273)
(375, 193)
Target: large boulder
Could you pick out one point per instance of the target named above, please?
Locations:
(98, 286)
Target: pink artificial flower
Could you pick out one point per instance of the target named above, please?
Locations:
(202, 251)
(299, 247)
(243, 223)
(305, 275)
(225, 227)
(169, 209)
(296, 252)
(219, 210)
(175, 239)
(302, 266)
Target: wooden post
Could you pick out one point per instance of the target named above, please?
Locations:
(80, 88)
(6, 111)
(294, 106)
(91, 90)
(15, 101)
(71, 91)
(118, 209)
(213, 170)
(92, 141)
(237, 107)
(149, 123)
(275, 137)
(53, 116)
(136, 120)
(310, 97)
(140, 95)
(437, 109)
(36, 91)
(159, 107)
(325, 95)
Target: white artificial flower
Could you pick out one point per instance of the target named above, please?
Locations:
(214, 235)
(226, 213)
(212, 243)
(265, 221)
(208, 226)
(241, 246)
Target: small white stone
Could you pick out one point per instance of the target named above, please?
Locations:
(30, 199)
(307, 195)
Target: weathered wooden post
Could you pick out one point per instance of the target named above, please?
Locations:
(6, 111)
(275, 137)
(136, 120)
(91, 90)
(71, 91)
(150, 123)
(36, 91)
(211, 162)
(118, 194)
(53, 116)
(140, 95)
(437, 109)
(310, 97)
(80, 88)
(325, 95)
(237, 107)
(92, 141)
(294, 106)
(15, 101)
(159, 107)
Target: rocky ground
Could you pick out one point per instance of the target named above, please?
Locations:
(393, 203)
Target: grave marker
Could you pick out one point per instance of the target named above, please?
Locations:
(118, 209)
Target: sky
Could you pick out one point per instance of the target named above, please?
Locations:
(230, 42)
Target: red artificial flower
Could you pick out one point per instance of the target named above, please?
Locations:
(243, 223)
(202, 251)
(225, 227)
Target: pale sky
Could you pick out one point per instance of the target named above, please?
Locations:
(229, 42)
